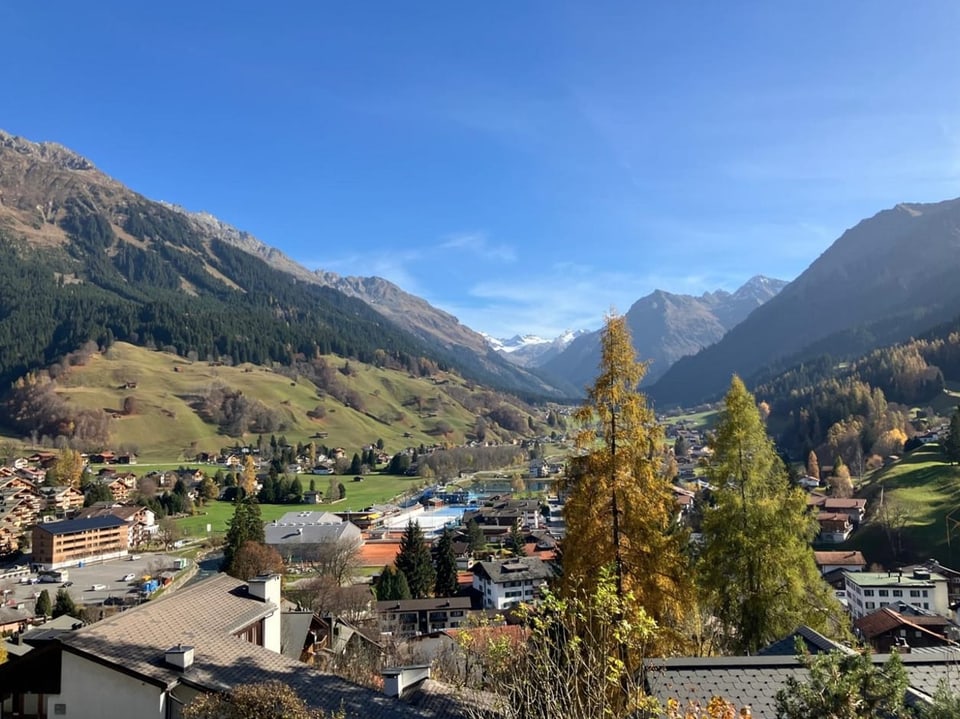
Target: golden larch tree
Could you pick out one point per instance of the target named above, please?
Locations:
(620, 511)
(248, 477)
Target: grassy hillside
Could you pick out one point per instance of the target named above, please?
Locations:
(400, 409)
(928, 490)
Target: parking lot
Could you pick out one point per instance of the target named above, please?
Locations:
(110, 575)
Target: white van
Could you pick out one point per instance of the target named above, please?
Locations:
(98, 587)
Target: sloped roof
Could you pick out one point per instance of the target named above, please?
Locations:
(823, 558)
(205, 616)
(756, 680)
(885, 619)
(310, 533)
(813, 641)
(517, 568)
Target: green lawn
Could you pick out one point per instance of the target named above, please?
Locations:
(929, 489)
(374, 489)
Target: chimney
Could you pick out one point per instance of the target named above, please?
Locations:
(397, 679)
(266, 588)
(180, 657)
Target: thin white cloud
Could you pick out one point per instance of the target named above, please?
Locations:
(478, 244)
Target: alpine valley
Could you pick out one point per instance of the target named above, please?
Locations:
(87, 262)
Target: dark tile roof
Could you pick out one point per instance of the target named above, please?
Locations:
(814, 642)
(419, 605)
(518, 568)
(81, 525)
(205, 616)
(756, 680)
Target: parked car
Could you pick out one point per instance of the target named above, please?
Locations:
(98, 587)
(129, 577)
(67, 584)
(134, 557)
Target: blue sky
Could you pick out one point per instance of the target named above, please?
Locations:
(524, 165)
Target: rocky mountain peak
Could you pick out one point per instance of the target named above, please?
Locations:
(46, 151)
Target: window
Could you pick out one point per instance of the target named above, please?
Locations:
(914, 592)
(883, 592)
(926, 606)
(868, 592)
(898, 592)
(870, 605)
(923, 593)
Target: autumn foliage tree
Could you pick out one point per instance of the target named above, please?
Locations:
(254, 559)
(619, 512)
(756, 567)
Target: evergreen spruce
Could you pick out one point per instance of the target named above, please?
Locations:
(446, 583)
(951, 445)
(414, 561)
(756, 566)
(246, 525)
(44, 607)
(515, 544)
(392, 585)
(64, 604)
(475, 536)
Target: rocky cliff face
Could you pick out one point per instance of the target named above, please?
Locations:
(666, 327)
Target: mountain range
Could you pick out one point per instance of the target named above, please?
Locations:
(666, 327)
(531, 350)
(890, 277)
(146, 259)
(84, 258)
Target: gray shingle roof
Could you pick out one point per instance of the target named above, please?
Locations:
(518, 568)
(756, 680)
(204, 616)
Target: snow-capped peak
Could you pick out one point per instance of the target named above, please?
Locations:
(530, 350)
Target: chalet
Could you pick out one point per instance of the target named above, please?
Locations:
(886, 629)
(61, 500)
(854, 508)
(504, 583)
(148, 661)
(409, 617)
(835, 527)
(831, 561)
(140, 521)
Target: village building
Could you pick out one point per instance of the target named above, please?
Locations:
(70, 542)
(868, 591)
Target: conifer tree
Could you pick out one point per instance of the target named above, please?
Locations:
(951, 445)
(756, 566)
(44, 607)
(515, 543)
(415, 562)
(64, 604)
(246, 525)
(392, 584)
(446, 584)
(475, 536)
(620, 510)
(813, 465)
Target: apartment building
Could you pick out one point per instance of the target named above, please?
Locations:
(64, 544)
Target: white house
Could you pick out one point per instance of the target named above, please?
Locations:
(504, 583)
(868, 591)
